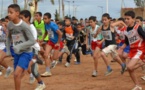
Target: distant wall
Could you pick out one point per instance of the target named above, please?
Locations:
(138, 11)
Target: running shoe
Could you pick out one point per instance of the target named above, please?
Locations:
(137, 88)
(108, 72)
(46, 74)
(94, 73)
(8, 72)
(40, 87)
(67, 64)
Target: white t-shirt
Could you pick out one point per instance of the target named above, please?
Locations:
(2, 35)
(34, 33)
(93, 32)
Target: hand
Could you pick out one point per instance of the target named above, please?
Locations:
(57, 45)
(72, 37)
(99, 43)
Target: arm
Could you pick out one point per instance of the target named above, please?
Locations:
(141, 32)
(59, 36)
(8, 40)
(98, 31)
(44, 36)
(117, 23)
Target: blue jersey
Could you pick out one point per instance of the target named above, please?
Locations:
(52, 28)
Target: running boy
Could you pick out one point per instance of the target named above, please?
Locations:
(108, 33)
(55, 37)
(22, 42)
(25, 15)
(135, 38)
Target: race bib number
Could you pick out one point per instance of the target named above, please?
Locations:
(107, 35)
(132, 39)
(51, 34)
(68, 36)
(18, 39)
(2, 36)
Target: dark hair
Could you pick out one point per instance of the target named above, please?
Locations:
(3, 20)
(26, 14)
(81, 19)
(60, 23)
(6, 17)
(121, 19)
(48, 15)
(39, 13)
(93, 18)
(68, 19)
(140, 18)
(16, 7)
(106, 15)
(130, 13)
(79, 24)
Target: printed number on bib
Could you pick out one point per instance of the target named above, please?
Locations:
(107, 35)
(68, 36)
(132, 39)
(51, 34)
(18, 39)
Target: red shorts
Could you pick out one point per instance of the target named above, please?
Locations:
(136, 53)
(55, 47)
(94, 45)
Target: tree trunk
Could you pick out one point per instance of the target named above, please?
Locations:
(63, 13)
(15, 1)
(59, 8)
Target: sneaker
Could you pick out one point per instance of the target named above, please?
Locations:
(67, 64)
(108, 72)
(94, 73)
(75, 59)
(40, 87)
(46, 74)
(8, 72)
(31, 80)
(123, 69)
(1, 73)
(53, 64)
(143, 78)
(137, 88)
(77, 63)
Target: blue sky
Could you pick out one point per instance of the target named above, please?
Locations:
(85, 8)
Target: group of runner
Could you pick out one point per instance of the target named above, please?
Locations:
(45, 41)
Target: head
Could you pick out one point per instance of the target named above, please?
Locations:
(25, 15)
(129, 18)
(139, 20)
(92, 21)
(47, 18)
(81, 20)
(38, 16)
(79, 26)
(121, 19)
(7, 19)
(68, 21)
(13, 12)
(106, 19)
(60, 25)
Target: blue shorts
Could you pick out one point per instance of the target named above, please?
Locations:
(4, 50)
(22, 60)
(126, 49)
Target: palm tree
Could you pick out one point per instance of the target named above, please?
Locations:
(140, 3)
(15, 1)
(34, 5)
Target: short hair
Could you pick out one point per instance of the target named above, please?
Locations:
(6, 17)
(39, 13)
(121, 19)
(79, 24)
(48, 15)
(140, 18)
(16, 7)
(93, 18)
(60, 23)
(130, 13)
(26, 14)
(81, 19)
(106, 15)
(3, 19)
(68, 19)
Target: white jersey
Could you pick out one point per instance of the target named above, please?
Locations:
(93, 32)
(34, 33)
(2, 36)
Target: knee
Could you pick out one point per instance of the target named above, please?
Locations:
(129, 68)
(102, 54)
(16, 75)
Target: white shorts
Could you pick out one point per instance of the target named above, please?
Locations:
(110, 49)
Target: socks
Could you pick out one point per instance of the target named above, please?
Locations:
(31, 75)
(41, 82)
(123, 64)
(108, 68)
(9, 68)
(47, 69)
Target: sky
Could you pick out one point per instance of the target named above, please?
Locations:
(84, 8)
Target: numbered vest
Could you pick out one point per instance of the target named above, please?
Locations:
(2, 35)
(121, 34)
(107, 34)
(69, 32)
(50, 33)
(133, 37)
(93, 32)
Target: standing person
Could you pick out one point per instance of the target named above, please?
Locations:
(25, 15)
(96, 43)
(9, 69)
(22, 43)
(55, 37)
(135, 38)
(108, 33)
(71, 34)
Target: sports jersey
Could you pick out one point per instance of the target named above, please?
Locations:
(2, 38)
(52, 28)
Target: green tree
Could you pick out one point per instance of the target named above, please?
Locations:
(140, 3)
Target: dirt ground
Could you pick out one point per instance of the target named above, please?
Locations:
(78, 77)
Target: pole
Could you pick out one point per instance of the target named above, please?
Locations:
(63, 13)
(2, 9)
(106, 6)
(59, 7)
